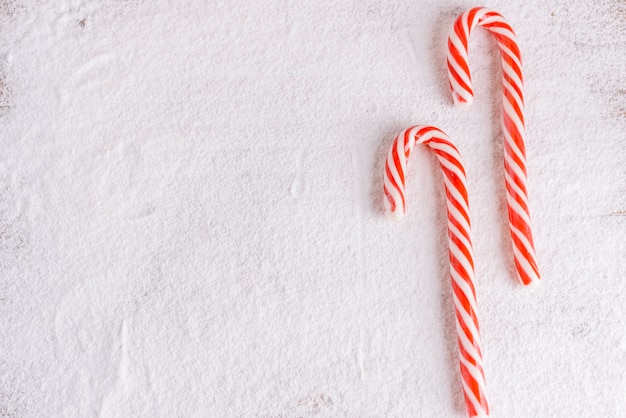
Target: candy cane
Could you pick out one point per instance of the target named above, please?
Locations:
(513, 123)
(460, 248)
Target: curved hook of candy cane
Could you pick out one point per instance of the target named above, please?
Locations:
(512, 123)
(395, 168)
(459, 73)
(460, 248)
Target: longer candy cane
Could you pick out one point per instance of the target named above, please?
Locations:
(512, 123)
(460, 248)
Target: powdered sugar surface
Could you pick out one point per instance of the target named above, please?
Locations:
(191, 210)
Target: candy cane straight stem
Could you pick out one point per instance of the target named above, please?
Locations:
(460, 248)
(512, 123)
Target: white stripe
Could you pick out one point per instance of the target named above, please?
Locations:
(394, 172)
(511, 165)
(446, 148)
(511, 90)
(525, 266)
(454, 169)
(474, 371)
(412, 135)
(402, 155)
(516, 153)
(494, 18)
(424, 134)
(504, 32)
(479, 409)
(510, 53)
(466, 344)
(519, 210)
(525, 242)
(450, 166)
(511, 73)
(456, 214)
(478, 18)
(465, 23)
(396, 197)
(509, 110)
(521, 193)
(464, 262)
(459, 235)
(456, 194)
(460, 94)
(464, 286)
(458, 45)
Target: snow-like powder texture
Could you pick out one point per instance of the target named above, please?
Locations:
(191, 213)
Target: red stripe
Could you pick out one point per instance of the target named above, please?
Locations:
(517, 197)
(526, 254)
(423, 131)
(460, 31)
(517, 138)
(458, 185)
(474, 387)
(458, 267)
(457, 78)
(500, 24)
(464, 300)
(471, 15)
(466, 251)
(458, 57)
(510, 127)
(514, 104)
(462, 328)
(396, 161)
(458, 206)
(509, 60)
(458, 226)
(489, 15)
(524, 277)
(470, 359)
(394, 184)
(443, 155)
(449, 157)
(524, 228)
(515, 85)
(392, 202)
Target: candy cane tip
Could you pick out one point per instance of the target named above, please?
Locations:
(463, 102)
(533, 284)
(395, 215)
(480, 415)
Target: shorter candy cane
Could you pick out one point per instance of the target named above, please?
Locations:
(512, 123)
(460, 248)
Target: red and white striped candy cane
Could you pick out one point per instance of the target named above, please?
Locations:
(460, 248)
(513, 123)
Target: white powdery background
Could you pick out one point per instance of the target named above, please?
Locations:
(191, 210)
